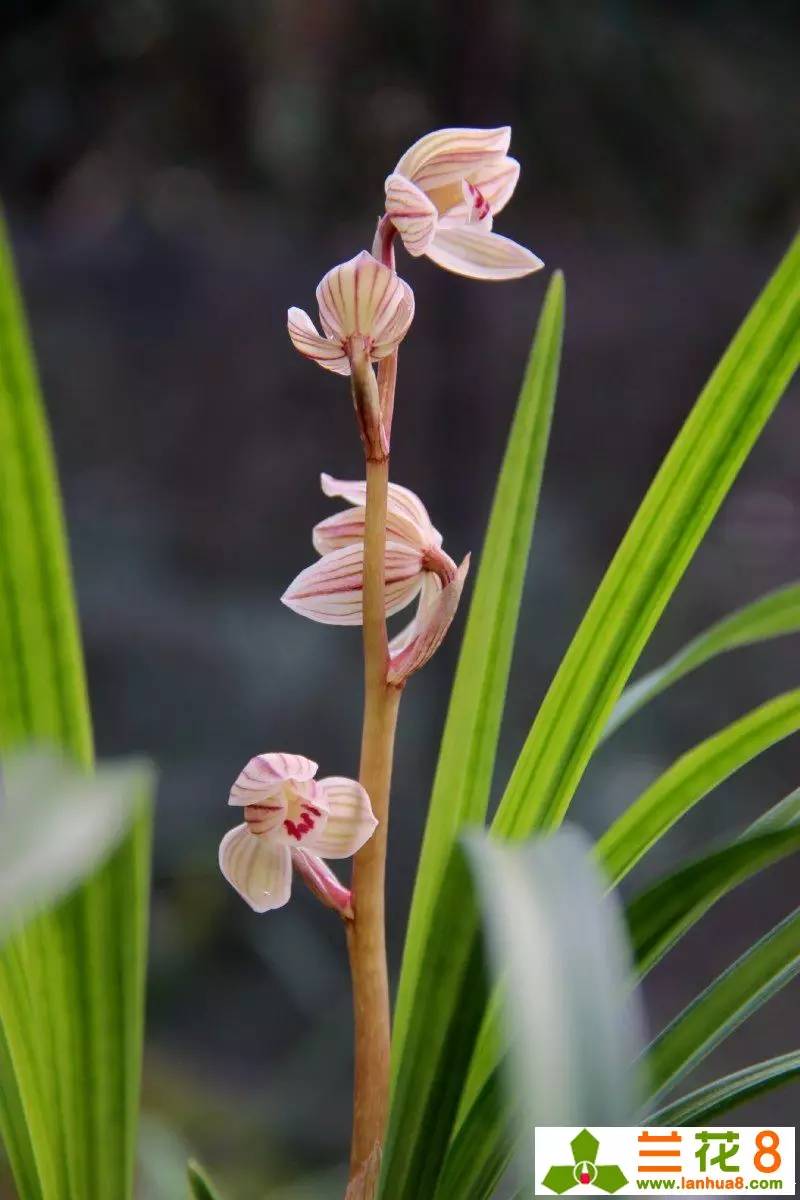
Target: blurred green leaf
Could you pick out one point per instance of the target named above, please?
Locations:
(692, 777)
(663, 913)
(557, 942)
(679, 506)
(769, 617)
(57, 824)
(720, 1096)
(734, 996)
(200, 1186)
(469, 742)
(72, 982)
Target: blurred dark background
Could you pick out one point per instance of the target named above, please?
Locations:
(177, 172)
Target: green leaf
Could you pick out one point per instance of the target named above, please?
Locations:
(57, 824)
(657, 919)
(717, 1098)
(663, 913)
(200, 1186)
(769, 617)
(691, 778)
(72, 982)
(733, 997)
(679, 506)
(469, 742)
(558, 944)
(440, 1024)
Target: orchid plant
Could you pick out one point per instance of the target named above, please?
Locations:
(514, 1004)
(375, 559)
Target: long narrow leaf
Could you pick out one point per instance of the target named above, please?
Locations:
(769, 617)
(675, 514)
(657, 919)
(717, 1098)
(200, 1186)
(691, 778)
(733, 997)
(663, 913)
(71, 983)
(550, 928)
(469, 742)
(679, 506)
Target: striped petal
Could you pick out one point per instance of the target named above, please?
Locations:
(265, 775)
(495, 181)
(471, 251)
(448, 155)
(412, 649)
(364, 298)
(405, 510)
(305, 338)
(323, 883)
(413, 215)
(259, 870)
(350, 821)
(330, 590)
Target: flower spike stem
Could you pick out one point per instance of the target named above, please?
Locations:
(366, 933)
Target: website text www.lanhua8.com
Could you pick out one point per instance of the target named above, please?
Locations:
(736, 1183)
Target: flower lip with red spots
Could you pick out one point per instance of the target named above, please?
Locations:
(443, 195)
(286, 808)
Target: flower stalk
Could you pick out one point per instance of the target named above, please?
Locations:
(366, 933)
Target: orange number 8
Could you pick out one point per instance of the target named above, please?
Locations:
(767, 1143)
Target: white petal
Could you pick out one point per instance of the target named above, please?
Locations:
(330, 590)
(323, 883)
(322, 350)
(447, 155)
(403, 505)
(350, 820)
(472, 252)
(363, 297)
(260, 871)
(265, 775)
(434, 617)
(413, 215)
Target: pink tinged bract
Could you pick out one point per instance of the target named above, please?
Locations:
(362, 305)
(416, 645)
(442, 197)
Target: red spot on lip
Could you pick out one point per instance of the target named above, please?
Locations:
(299, 830)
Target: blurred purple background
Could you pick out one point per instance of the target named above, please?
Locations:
(176, 174)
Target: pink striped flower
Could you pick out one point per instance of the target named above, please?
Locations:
(293, 821)
(442, 196)
(331, 590)
(363, 305)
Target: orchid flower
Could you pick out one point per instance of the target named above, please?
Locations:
(293, 820)
(330, 590)
(363, 306)
(442, 196)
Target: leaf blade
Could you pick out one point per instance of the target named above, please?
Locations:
(686, 493)
(721, 1095)
(774, 615)
(469, 741)
(724, 1005)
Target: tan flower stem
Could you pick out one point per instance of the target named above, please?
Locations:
(366, 932)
